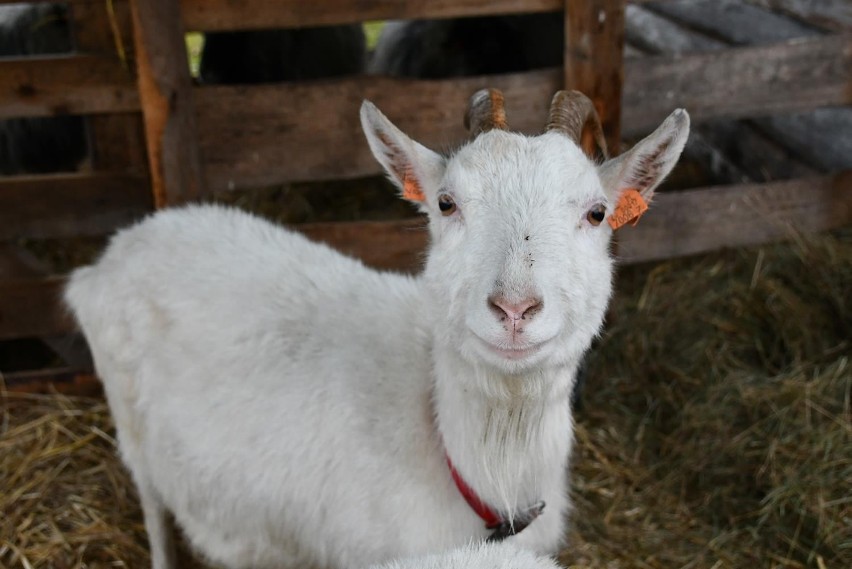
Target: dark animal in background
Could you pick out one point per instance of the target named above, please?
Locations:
(437, 49)
(43, 144)
(269, 56)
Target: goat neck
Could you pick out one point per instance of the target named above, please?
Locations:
(510, 444)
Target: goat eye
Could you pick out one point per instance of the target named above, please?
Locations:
(446, 204)
(596, 214)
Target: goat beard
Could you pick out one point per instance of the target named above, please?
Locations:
(510, 433)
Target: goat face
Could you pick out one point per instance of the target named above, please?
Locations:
(519, 269)
(518, 265)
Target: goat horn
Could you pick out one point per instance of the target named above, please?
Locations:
(571, 113)
(485, 112)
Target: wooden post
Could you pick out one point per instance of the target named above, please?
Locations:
(165, 90)
(594, 47)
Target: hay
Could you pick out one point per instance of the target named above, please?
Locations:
(716, 430)
(65, 499)
(717, 427)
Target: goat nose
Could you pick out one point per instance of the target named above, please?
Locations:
(522, 310)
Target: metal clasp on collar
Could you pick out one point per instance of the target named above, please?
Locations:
(508, 528)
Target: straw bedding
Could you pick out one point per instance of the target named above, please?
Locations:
(715, 430)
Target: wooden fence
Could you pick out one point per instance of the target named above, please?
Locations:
(157, 139)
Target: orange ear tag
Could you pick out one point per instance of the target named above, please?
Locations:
(630, 207)
(411, 189)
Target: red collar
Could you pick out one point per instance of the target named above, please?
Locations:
(502, 527)
(491, 518)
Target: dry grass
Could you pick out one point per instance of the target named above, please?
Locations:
(64, 497)
(716, 430)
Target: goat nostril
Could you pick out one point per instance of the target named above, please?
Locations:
(522, 310)
(497, 309)
(532, 309)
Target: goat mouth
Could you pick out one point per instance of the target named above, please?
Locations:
(513, 352)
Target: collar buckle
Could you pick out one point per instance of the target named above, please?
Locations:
(506, 528)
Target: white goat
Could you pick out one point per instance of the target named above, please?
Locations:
(291, 407)
(486, 555)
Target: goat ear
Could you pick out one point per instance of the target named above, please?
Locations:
(411, 166)
(648, 163)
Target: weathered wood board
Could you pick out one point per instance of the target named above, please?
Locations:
(822, 138)
(58, 85)
(65, 205)
(750, 150)
(31, 307)
(269, 134)
(819, 137)
(752, 81)
(733, 21)
(686, 223)
(654, 34)
(210, 15)
(17, 263)
(104, 29)
(828, 14)
(728, 151)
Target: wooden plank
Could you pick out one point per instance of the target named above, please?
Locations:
(655, 34)
(165, 90)
(270, 134)
(118, 139)
(382, 245)
(732, 150)
(103, 28)
(593, 62)
(696, 221)
(58, 85)
(16, 263)
(55, 380)
(822, 137)
(64, 205)
(829, 14)
(32, 307)
(735, 22)
(759, 157)
(704, 163)
(216, 15)
(753, 81)
(118, 144)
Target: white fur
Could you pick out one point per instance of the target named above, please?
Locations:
(502, 555)
(292, 407)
